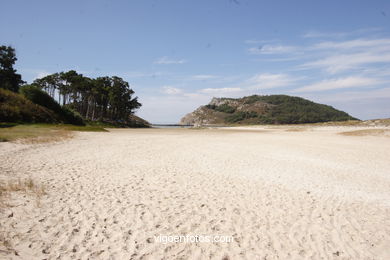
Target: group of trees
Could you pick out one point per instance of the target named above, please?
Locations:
(103, 98)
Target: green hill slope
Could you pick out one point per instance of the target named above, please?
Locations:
(16, 108)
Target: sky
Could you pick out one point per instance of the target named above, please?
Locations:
(177, 55)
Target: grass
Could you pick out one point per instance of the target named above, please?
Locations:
(26, 187)
(41, 133)
(367, 132)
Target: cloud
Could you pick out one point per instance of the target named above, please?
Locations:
(340, 56)
(171, 90)
(272, 49)
(139, 74)
(167, 60)
(219, 91)
(318, 34)
(339, 63)
(341, 83)
(203, 77)
(353, 44)
(268, 80)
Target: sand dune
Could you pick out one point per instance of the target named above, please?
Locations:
(310, 194)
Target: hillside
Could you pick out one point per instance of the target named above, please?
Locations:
(273, 109)
(16, 108)
(38, 107)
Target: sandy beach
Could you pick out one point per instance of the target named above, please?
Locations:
(280, 192)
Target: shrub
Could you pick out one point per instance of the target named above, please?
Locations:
(41, 98)
(225, 108)
(240, 116)
(16, 108)
(71, 116)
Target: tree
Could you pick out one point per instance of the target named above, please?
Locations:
(103, 98)
(9, 79)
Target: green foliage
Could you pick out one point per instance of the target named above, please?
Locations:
(296, 110)
(40, 97)
(103, 98)
(72, 117)
(9, 79)
(240, 116)
(251, 99)
(16, 108)
(225, 108)
(283, 109)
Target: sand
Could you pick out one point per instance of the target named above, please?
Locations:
(280, 192)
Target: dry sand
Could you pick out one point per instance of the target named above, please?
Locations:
(282, 193)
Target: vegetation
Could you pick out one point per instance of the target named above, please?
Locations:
(103, 98)
(16, 108)
(38, 133)
(9, 79)
(277, 109)
(240, 116)
(65, 97)
(225, 108)
(41, 98)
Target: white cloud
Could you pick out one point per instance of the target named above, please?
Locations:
(267, 80)
(381, 93)
(171, 90)
(272, 49)
(167, 60)
(357, 43)
(341, 83)
(219, 91)
(341, 56)
(203, 77)
(339, 63)
(318, 34)
(252, 41)
(139, 74)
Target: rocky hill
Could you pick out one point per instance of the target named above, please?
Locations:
(273, 109)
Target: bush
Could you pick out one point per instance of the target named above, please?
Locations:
(41, 98)
(240, 116)
(72, 117)
(296, 110)
(225, 108)
(16, 108)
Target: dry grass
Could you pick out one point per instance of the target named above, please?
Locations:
(368, 132)
(50, 137)
(26, 187)
(297, 129)
(33, 134)
(42, 133)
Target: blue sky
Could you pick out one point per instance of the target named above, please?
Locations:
(177, 55)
